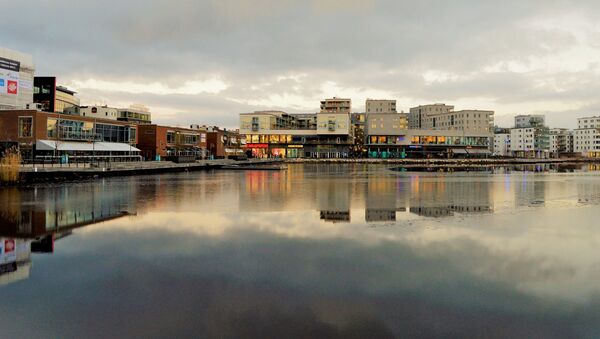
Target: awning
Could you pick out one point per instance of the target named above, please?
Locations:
(470, 151)
(51, 145)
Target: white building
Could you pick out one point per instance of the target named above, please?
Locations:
(558, 141)
(502, 144)
(16, 79)
(586, 138)
(100, 112)
(530, 142)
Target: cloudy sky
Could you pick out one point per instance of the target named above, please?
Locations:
(205, 61)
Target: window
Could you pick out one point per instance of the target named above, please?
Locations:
(25, 127)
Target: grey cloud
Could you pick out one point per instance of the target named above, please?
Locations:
(380, 44)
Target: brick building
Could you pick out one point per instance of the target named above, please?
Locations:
(164, 142)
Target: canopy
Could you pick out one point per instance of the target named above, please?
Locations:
(470, 151)
(51, 145)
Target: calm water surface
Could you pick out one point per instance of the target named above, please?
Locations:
(314, 251)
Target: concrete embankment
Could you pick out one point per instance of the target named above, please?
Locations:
(47, 173)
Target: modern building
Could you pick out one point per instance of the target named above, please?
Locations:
(138, 114)
(171, 143)
(529, 120)
(417, 115)
(586, 138)
(336, 105)
(530, 142)
(380, 106)
(53, 98)
(443, 117)
(99, 112)
(279, 134)
(558, 141)
(16, 79)
(501, 145)
(52, 137)
(357, 121)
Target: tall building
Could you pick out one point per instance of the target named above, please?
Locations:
(586, 138)
(336, 105)
(529, 120)
(530, 142)
(16, 79)
(501, 145)
(418, 114)
(443, 117)
(380, 106)
(52, 97)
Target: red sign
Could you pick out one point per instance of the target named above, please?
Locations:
(257, 145)
(11, 87)
(9, 245)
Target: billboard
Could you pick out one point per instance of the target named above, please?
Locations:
(9, 76)
(8, 250)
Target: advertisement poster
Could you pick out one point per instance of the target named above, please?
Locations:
(9, 76)
(8, 250)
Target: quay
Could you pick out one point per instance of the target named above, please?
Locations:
(29, 174)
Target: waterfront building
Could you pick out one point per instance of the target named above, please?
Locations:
(530, 142)
(417, 115)
(138, 114)
(389, 142)
(501, 145)
(279, 134)
(52, 97)
(357, 120)
(16, 79)
(558, 140)
(223, 143)
(171, 143)
(380, 106)
(45, 136)
(586, 138)
(101, 112)
(529, 120)
(443, 117)
(336, 105)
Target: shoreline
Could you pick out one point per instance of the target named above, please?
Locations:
(40, 175)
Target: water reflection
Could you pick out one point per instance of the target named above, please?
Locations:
(294, 254)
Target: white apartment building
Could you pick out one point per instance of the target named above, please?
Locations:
(502, 144)
(586, 138)
(443, 117)
(530, 142)
(16, 79)
(558, 141)
(380, 106)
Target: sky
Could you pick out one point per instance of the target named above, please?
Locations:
(206, 61)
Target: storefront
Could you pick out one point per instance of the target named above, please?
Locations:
(257, 150)
(295, 151)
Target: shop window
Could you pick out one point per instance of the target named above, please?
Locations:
(25, 127)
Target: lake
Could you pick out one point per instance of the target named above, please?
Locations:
(314, 251)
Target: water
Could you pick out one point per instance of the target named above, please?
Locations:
(315, 251)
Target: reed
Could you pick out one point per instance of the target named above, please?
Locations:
(10, 165)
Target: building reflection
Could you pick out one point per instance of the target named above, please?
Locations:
(384, 197)
(443, 196)
(529, 192)
(32, 219)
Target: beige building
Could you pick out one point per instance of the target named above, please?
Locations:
(386, 123)
(380, 106)
(16, 79)
(443, 117)
(336, 105)
(101, 112)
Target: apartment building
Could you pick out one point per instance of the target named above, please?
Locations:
(138, 114)
(380, 106)
(530, 142)
(558, 141)
(501, 145)
(529, 120)
(336, 105)
(327, 134)
(443, 117)
(586, 138)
